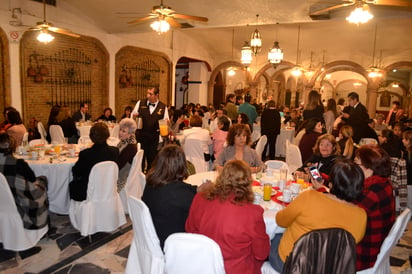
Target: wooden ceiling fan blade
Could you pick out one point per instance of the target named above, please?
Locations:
(142, 19)
(190, 17)
(331, 8)
(64, 32)
(172, 22)
(397, 3)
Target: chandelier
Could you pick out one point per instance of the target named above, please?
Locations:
(360, 15)
(231, 71)
(160, 26)
(45, 37)
(275, 54)
(246, 54)
(374, 71)
(256, 39)
(297, 70)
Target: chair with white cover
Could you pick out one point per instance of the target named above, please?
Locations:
(102, 210)
(13, 235)
(113, 141)
(268, 269)
(42, 130)
(145, 255)
(204, 253)
(84, 130)
(194, 151)
(136, 181)
(36, 142)
(382, 264)
(261, 145)
(56, 134)
(293, 156)
(84, 140)
(115, 131)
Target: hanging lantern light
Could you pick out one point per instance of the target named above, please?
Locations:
(275, 54)
(246, 57)
(256, 39)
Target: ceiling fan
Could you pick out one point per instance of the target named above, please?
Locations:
(166, 14)
(45, 26)
(346, 3)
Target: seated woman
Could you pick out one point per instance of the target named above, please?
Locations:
(166, 195)
(242, 118)
(238, 147)
(378, 201)
(17, 128)
(30, 193)
(313, 210)
(127, 148)
(314, 128)
(127, 112)
(6, 124)
(177, 123)
(346, 143)
(325, 153)
(99, 152)
(107, 116)
(391, 143)
(65, 120)
(225, 213)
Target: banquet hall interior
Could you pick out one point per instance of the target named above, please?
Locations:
(108, 53)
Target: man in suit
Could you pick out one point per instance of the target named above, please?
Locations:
(357, 117)
(151, 110)
(99, 152)
(82, 114)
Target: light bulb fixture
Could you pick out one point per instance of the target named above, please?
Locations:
(360, 15)
(275, 54)
(246, 57)
(374, 71)
(160, 26)
(395, 84)
(256, 39)
(310, 71)
(231, 72)
(45, 37)
(357, 84)
(297, 70)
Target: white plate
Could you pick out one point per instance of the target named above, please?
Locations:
(280, 198)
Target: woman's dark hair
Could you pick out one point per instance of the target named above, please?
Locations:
(7, 144)
(234, 179)
(169, 166)
(388, 134)
(347, 180)
(225, 122)
(331, 105)
(7, 109)
(13, 116)
(99, 133)
(238, 129)
(106, 109)
(313, 100)
(341, 101)
(53, 115)
(176, 114)
(244, 117)
(311, 124)
(375, 158)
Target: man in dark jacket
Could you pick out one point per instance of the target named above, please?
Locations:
(270, 126)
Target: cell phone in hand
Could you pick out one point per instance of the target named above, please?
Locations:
(314, 172)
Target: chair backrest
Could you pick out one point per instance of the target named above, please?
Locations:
(276, 164)
(293, 156)
(261, 145)
(42, 130)
(324, 251)
(84, 130)
(115, 131)
(84, 140)
(7, 204)
(136, 180)
(56, 134)
(145, 255)
(204, 253)
(102, 181)
(382, 264)
(113, 141)
(194, 149)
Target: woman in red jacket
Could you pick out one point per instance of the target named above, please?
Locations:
(225, 213)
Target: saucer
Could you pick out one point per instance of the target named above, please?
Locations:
(280, 198)
(70, 156)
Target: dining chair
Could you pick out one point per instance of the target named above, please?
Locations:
(56, 134)
(382, 264)
(136, 181)
(84, 130)
(261, 145)
(115, 131)
(268, 269)
(293, 156)
(322, 251)
(194, 151)
(204, 253)
(84, 140)
(42, 130)
(102, 210)
(145, 255)
(13, 235)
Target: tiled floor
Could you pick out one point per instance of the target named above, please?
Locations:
(67, 252)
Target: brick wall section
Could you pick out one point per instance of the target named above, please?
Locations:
(143, 68)
(77, 71)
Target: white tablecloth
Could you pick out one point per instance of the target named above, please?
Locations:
(59, 174)
(285, 134)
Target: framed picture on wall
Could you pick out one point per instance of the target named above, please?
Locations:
(385, 100)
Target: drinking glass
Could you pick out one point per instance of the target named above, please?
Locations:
(57, 149)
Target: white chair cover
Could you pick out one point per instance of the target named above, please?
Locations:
(145, 255)
(261, 145)
(382, 265)
(102, 210)
(115, 131)
(194, 150)
(293, 156)
(36, 142)
(84, 140)
(276, 164)
(192, 253)
(268, 269)
(136, 181)
(42, 130)
(256, 132)
(13, 235)
(56, 134)
(113, 141)
(84, 130)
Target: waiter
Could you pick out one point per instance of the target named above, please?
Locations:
(151, 110)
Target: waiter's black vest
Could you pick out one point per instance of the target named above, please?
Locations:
(151, 121)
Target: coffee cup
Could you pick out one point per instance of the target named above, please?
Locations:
(34, 155)
(72, 152)
(287, 195)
